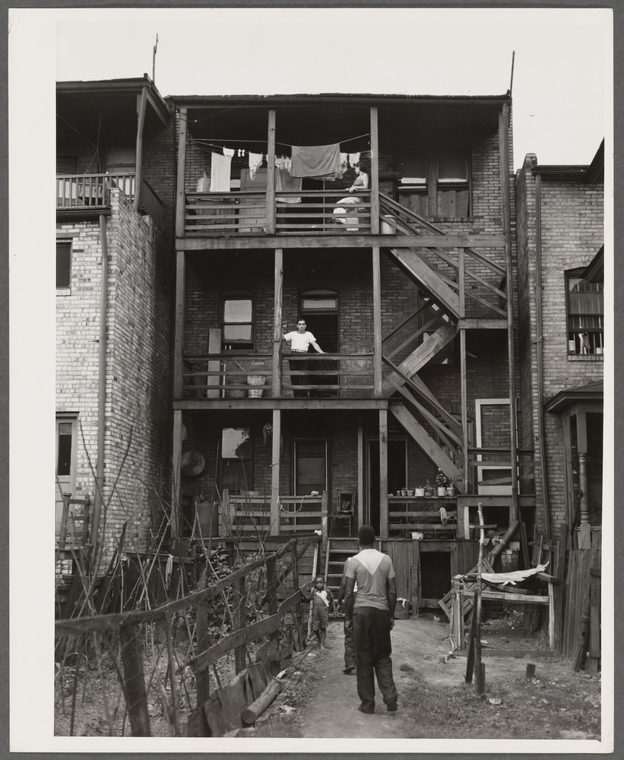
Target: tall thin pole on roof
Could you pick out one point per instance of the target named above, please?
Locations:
(154, 60)
(513, 58)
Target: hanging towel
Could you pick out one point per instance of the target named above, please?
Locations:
(220, 173)
(255, 161)
(354, 159)
(284, 182)
(315, 160)
(229, 152)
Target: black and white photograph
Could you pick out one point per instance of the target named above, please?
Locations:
(393, 544)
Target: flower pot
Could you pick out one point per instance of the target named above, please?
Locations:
(450, 491)
(420, 492)
(441, 490)
(410, 492)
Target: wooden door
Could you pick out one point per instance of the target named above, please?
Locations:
(65, 470)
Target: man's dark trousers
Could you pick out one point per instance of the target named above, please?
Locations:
(371, 636)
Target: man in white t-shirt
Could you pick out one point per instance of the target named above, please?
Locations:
(300, 340)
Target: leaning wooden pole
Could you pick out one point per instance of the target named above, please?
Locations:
(479, 666)
(134, 681)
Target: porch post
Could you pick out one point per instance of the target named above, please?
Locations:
(270, 195)
(178, 349)
(581, 438)
(377, 361)
(274, 527)
(360, 466)
(383, 473)
(503, 137)
(176, 480)
(277, 323)
(180, 188)
(374, 190)
(463, 376)
(139, 147)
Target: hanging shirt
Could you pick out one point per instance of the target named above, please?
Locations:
(315, 160)
(220, 167)
(284, 182)
(255, 162)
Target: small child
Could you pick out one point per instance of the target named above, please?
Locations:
(321, 599)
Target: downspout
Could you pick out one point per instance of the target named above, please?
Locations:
(139, 149)
(101, 418)
(539, 341)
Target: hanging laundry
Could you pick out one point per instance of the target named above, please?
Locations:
(229, 152)
(284, 182)
(220, 169)
(315, 160)
(354, 159)
(255, 162)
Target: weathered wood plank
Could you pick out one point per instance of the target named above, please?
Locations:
(260, 628)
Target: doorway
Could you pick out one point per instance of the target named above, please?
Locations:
(397, 474)
(319, 308)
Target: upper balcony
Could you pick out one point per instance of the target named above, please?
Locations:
(80, 194)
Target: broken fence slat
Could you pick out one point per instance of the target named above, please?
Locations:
(254, 711)
(243, 636)
(233, 701)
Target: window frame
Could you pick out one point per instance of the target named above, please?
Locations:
(238, 345)
(247, 470)
(296, 442)
(64, 241)
(574, 344)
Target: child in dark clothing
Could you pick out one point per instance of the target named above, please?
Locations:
(322, 598)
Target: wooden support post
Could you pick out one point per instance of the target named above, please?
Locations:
(383, 473)
(374, 143)
(479, 668)
(181, 176)
(134, 681)
(503, 136)
(297, 614)
(178, 350)
(142, 107)
(360, 466)
(202, 676)
(270, 195)
(175, 702)
(176, 480)
(273, 603)
(276, 435)
(278, 331)
(377, 341)
(464, 413)
(240, 620)
(324, 522)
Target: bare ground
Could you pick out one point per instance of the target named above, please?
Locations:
(434, 700)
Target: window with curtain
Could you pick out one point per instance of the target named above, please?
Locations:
(236, 459)
(585, 315)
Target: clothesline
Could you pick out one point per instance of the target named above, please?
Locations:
(209, 141)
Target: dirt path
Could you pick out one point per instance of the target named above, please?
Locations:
(434, 700)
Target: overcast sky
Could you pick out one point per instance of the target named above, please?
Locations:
(561, 78)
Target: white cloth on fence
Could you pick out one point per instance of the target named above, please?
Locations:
(514, 577)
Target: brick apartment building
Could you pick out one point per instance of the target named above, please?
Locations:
(412, 285)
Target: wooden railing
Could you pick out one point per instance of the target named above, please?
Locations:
(312, 212)
(237, 375)
(248, 515)
(427, 516)
(92, 191)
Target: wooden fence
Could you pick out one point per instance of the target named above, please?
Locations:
(254, 603)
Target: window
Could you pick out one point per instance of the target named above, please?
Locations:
(235, 464)
(310, 467)
(237, 314)
(65, 466)
(585, 310)
(63, 263)
(437, 184)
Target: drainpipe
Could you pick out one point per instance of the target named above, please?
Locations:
(101, 436)
(139, 149)
(539, 341)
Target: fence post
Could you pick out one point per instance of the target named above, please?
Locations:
(297, 612)
(134, 681)
(202, 676)
(240, 618)
(271, 566)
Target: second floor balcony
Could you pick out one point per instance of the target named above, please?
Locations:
(85, 193)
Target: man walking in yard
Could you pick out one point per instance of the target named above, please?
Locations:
(372, 615)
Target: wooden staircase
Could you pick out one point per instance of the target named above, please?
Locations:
(338, 549)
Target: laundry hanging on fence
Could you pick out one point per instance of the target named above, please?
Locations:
(220, 167)
(284, 182)
(315, 160)
(513, 577)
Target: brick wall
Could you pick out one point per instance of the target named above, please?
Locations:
(572, 230)
(138, 366)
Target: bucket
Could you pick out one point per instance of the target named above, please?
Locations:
(255, 380)
(386, 228)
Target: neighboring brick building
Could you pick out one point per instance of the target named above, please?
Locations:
(113, 386)
(560, 229)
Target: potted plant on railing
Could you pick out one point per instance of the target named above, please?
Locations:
(428, 489)
(450, 489)
(441, 482)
